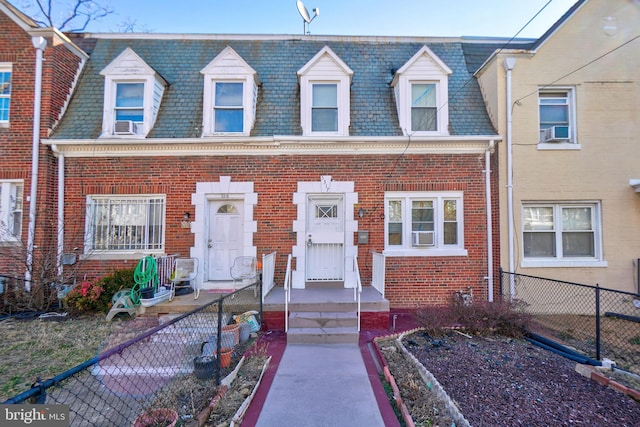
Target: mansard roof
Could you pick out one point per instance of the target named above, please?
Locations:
(276, 60)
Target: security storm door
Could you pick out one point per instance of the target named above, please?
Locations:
(325, 237)
(225, 237)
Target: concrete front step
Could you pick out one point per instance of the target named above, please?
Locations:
(319, 319)
(340, 335)
(324, 306)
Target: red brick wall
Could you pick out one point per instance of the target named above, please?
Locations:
(16, 141)
(410, 281)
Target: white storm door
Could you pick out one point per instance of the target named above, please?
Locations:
(325, 237)
(225, 237)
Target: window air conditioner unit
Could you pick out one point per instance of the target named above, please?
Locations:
(125, 127)
(423, 238)
(556, 134)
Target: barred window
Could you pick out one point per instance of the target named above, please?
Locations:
(10, 210)
(125, 224)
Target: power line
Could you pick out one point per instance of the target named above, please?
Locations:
(579, 68)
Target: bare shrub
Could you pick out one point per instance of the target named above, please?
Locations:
(501, 317)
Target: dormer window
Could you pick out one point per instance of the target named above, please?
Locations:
(133, 92)
(230, 93)
(421, 91)
(129, 104)
(423, 107)
(324, 109)
(228, 110)
(324, 95)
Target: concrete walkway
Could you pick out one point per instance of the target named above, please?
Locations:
(321, 385)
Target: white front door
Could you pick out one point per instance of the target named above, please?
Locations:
(325, 237)
(225, 237)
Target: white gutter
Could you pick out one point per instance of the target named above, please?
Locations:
(509, 63)
(487, 183)
(40, 43)
(60, 249)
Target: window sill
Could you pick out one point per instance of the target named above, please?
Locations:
(5, 125)
(543, 146)
(106, 256)
(548, 263)
(424, 252)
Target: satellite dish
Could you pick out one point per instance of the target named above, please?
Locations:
(306, 19)
(303, 12)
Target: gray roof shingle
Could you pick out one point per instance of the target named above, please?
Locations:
(373, 61)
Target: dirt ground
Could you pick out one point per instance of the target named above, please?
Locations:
(503, 382)
(239, 390)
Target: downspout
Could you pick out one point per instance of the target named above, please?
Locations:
(60, 250)
(487, 183)
(509, 63)
(39, 43)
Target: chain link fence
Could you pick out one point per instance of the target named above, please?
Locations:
(596, 322)
(174, 364)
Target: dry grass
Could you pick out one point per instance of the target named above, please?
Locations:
(45, 348)
(620, 339)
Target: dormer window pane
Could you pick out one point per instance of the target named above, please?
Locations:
(228, 109)
(423, 107)
(324, 113)
(130, 102)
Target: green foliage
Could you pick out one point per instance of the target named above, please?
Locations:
(95, 296)
(502, 317)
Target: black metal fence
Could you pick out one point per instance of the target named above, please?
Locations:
(597, 322)
(174, 364)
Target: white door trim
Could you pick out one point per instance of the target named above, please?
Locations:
(222, 190)
(324, 185)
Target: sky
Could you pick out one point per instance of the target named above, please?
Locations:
(432, 18)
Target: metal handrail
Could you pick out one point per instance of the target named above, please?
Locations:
(287, 294)
(356, 269)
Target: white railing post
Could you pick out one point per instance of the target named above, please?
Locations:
(268, 272)
(377, 272)
(358, 287)
(287, 294)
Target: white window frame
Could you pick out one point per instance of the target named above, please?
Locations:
(11, 206)
(128, 67)
(411, 107)
(229, 67)
(306, 101)
(439, 248)
(559, 260)
(325, 68)
(240, 107)
(131, 248)
(109, 119)
(568, 93)
(4, 68)
(210, 108)
(423, 68)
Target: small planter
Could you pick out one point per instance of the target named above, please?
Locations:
(225, 357)
(203, 367)
(146, 293)
(245, 331)
(235, 328)
(161, 417)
